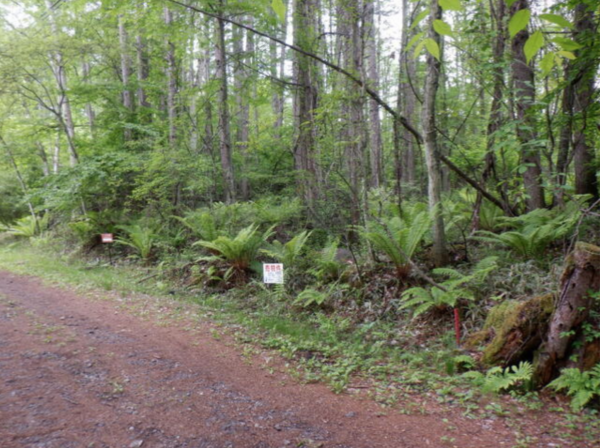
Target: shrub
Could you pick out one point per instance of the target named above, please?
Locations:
(140, 238)
(290, 252)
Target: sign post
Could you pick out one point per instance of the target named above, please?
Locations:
(107, 238)
(273, 273)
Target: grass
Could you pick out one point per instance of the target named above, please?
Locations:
(375, 359)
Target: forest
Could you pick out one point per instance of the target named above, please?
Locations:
(425, 170)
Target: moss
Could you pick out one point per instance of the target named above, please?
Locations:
(518, 328)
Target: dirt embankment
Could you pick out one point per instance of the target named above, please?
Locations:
(76, 372)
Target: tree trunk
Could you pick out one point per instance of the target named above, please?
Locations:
(577, 304)
(372, 53)
(224, 132)
(496, 117)
(242, 104)
(440, 254)
(143, 71)
(64, 114)
(89, 110)
(407, 99)
(586, 181)
(305, 100)
(171, 82)
(125, 74)
(523, 79)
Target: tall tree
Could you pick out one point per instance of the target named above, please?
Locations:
(432, 80)
(224, 129)
(523, 78)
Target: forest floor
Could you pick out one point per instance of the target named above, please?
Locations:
(91, 368)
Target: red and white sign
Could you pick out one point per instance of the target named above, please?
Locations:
(107, 238)
(273, 273)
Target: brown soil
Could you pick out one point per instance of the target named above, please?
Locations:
(80, 372)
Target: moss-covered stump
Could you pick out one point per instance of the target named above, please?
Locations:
(514, 330)
(573, 336)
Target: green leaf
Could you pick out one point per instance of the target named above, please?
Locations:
(418, 49)
(509, 3)
(419, 19)
(414, 40)
(518, 21)
(557, 20)
(567, 54)
(451, 5)
(279, 8)
(442, 28)
(567, 44)
(533, 45)
(432, 47)
(547, 63)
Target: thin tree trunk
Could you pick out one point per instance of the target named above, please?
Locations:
(125, 74)
(586, 181)
(523, 78)
(171, 82)
(89, 109)
(64, 114)
(372, 53)
(143, 70)
(407, 99)
(242, 104)
(224, 132)
(440, 254)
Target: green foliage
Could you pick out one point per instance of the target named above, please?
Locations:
(202, 224)
(399, 236)
(497, 379)
(421, 300)
(328, 266)
(290, 252)
(27, 227)
(239, 252)
(581, 386)
(535, 231)
(311, 296)
(141, 238)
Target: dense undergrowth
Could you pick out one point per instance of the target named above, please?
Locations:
(361, 306)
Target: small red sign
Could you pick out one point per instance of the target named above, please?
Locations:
(107, 238)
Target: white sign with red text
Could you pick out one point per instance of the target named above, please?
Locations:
(273, 273)
(107, 237)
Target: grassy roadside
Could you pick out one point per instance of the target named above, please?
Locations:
(372, 359)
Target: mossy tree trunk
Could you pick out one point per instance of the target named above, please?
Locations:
(569, 340)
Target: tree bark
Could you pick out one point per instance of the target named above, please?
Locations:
(523, 79)
(242, 104)
(576, 304)
(372, 55)
(305, 100)
(89, 109)
(440, 254)
(586, 181)
(125, 74)
(224, 130)
(64, 114)
(171, 81)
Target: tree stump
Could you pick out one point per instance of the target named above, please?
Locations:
(573, 336)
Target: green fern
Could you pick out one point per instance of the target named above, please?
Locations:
(141, 238)
(535, 231)
(239, 252)
(290, 252)
(27, 227)
(399, 237)
(454, 288)
(328, 267)
(497, 379)
(202, 225)
(581, 386)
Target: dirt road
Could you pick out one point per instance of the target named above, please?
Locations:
(80, 372)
